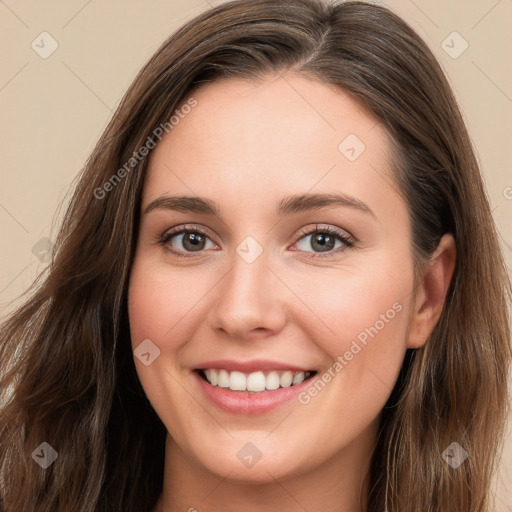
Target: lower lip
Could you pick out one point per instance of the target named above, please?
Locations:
(244, 402)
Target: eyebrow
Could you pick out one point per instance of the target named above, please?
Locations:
(287, 205)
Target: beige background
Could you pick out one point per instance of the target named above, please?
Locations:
(54, 109)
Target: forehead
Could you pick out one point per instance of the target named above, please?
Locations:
(285, 135)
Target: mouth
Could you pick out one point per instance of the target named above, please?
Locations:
(254, 382)
(251, 387)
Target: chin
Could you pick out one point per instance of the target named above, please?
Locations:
(252, 460)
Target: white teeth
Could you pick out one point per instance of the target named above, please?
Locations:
(286, 379)
(213, 377)
(222, 378)
(237, 381)
(272, 380)
(298, 378)
(254, 382)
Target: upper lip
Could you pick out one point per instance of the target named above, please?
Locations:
(250, 366)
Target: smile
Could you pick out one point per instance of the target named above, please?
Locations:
(251, 388)
(254, 382)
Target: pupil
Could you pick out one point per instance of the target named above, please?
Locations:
(193, 240)
(325, 241)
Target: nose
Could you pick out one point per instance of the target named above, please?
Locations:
(249, 301)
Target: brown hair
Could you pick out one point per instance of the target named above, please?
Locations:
(66, 366)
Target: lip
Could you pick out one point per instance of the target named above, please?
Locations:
(247, 403)
(250, 366)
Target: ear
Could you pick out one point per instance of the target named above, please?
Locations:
(431, 292)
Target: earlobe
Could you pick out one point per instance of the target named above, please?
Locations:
(431, 292)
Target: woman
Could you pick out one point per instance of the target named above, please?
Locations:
(325, 348)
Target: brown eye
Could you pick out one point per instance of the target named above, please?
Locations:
(182, 241)
(193, 241)
(324, 240)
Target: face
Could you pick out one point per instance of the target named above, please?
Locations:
(255, 286)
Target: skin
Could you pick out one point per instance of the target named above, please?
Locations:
(246, 146)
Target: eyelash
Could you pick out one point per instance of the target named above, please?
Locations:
(348, 241)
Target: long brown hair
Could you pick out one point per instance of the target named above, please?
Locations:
(66, 365)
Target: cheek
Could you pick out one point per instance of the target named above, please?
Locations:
(160, 303)
(360, 304)
(360, 321)
(157, 309)
(155, 304)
